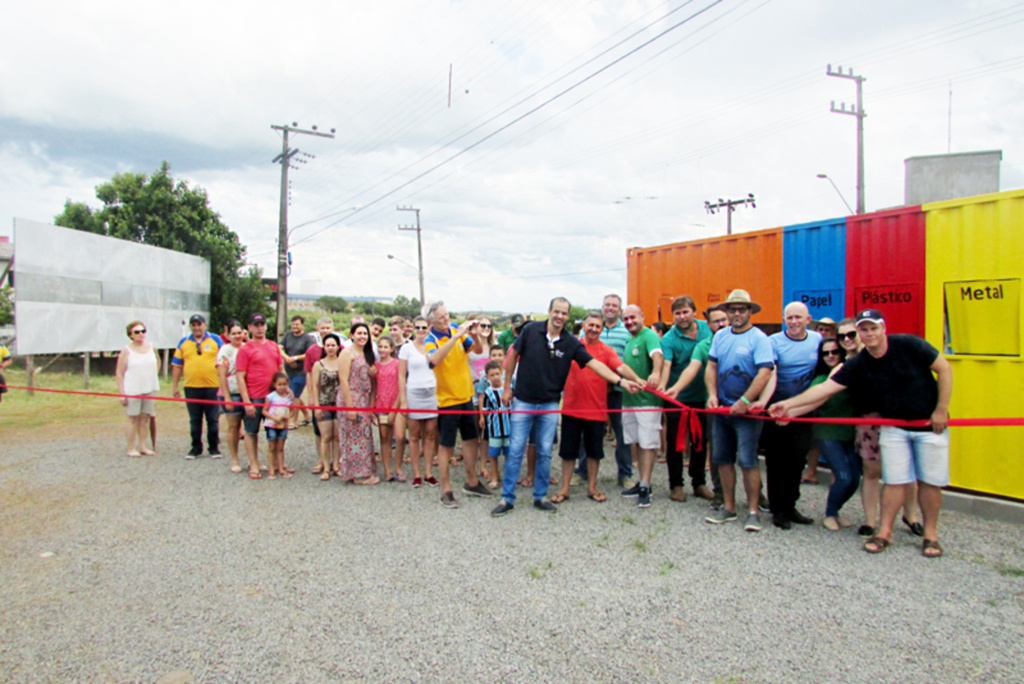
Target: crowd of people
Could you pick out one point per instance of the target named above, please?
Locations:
(425, 385)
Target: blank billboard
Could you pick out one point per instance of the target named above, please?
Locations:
(76, 291)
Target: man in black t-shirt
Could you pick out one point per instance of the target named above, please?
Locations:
(544, 351)
(294, 345)
(893, 377)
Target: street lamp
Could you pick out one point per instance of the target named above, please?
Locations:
(418, 271)
(419, 246)
(825, 176)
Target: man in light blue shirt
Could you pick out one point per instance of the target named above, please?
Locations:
(795, 351)
(739, 366)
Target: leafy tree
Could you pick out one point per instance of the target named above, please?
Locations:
(159, 211)
(6, 305)
(332, 304)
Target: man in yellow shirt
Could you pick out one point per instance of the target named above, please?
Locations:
(196, 358)
(447, 348)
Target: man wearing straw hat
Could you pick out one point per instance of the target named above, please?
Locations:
(739, 366)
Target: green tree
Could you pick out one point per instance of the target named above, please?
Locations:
(6, 305)
(332, 304)
(159, 211)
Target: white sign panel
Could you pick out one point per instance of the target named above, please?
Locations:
(76, 291)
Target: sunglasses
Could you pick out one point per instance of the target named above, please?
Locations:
(486, 325)
(848, 335)
(138, 330)
(831, 352)
(422, 327)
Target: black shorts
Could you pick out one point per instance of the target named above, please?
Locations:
(576, 430)
(449, 425)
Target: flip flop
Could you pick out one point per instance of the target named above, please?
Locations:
(558, 498)
(916, 528)
(255, 476)
(236, 469)
(401, 477)
(599, 497)
(133, 454)
(931, 545)
(880, 544)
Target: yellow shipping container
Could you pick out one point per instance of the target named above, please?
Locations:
(974, 267)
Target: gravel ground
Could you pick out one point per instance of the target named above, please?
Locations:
(125, 570)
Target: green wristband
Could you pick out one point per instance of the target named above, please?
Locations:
(745, 400)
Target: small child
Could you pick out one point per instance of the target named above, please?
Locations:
(389, 421)
(495, 418)
(276, 410)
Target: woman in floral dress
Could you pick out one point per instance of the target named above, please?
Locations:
(355, 428)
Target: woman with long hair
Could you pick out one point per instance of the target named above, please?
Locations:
(235, 335)
(355, 428)
(836, 441)
(325, 381)
(417, 389)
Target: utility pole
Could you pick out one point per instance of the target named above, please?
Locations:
(730, 206)
(419, 246)
(856, 110)
(285, 159)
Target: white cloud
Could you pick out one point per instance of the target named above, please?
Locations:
(745, 111)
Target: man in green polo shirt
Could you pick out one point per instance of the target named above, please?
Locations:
(508, 337)
(678, 345)
(639, 426)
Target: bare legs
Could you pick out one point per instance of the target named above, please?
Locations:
(233, 421)
(422, 442)
(135, 431)
(327, 441)
(751, 485)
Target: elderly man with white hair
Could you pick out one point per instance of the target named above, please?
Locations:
(785, 446)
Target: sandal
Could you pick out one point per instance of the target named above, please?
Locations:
(559, 498)
(930, 548)
(325, 475)
(880, 544)
(599, 497)
(400, 477)
(236, 469)
(916, 528)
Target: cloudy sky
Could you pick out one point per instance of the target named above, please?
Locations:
(576, 129)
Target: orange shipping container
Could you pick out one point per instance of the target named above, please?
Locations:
(708, 270)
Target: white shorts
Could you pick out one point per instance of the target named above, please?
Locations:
(909, 456)
(642, 427)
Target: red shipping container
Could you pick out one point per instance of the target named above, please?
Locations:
(885, 267)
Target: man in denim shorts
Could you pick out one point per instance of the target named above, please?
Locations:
(739, 366)
(894, 378)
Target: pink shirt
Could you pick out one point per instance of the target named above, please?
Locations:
(259, 362)
(387, 384)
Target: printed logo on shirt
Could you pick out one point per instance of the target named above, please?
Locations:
(743, 350)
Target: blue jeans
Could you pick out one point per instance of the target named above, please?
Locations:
(623, 454)
(735, 440)
(523, 424)
(846, 467)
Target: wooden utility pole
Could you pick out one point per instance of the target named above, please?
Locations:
(856, 110)
(729, 206)
(419, 246)
(282, 239)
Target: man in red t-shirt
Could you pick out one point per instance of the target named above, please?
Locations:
(585, 409)
(255, 365)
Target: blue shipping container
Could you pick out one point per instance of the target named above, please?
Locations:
(814, 267)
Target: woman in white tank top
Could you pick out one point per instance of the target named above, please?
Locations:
(138, 374)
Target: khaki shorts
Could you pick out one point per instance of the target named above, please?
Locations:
(642, 427)
(139, 405)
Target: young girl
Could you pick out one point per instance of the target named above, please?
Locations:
(388, 420)
(276, 410)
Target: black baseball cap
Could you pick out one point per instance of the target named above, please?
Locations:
(257, 318)
(869, 315)
(196, 318)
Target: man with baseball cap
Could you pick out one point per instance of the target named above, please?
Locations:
(257, 362)
(196, 358)
(508, 337)
(895, 379)
(739, 366)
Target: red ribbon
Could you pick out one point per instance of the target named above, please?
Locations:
(689, 413)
